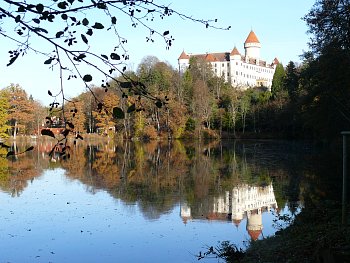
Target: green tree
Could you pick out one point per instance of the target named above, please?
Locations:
(278, 80)
(244, 107)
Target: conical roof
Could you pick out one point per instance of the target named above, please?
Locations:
(254, 234)
(184, 55)
(235, 52)
(252, 38)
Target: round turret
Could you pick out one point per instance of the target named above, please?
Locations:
(252, 46)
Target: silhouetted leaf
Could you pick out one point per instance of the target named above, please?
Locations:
(48, 61)
(13, 59)
(118, 113)
(131, 108)
(47, 132)
(101, 5)
(104, 56)
(39, 8)
(21, 9)
(114, 20)
(36, 20)
(50, 94)
(98, 25)
(80, 137)
(62, 5)
(87, 78)
(81, 56)
(125, 85)
(17, 18)
(83, 37)
(89, 32)
(166, 33)
(40, 29)
(85, 21)
(115, 56)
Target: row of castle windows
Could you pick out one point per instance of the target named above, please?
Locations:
(247, 67)
(244, 75)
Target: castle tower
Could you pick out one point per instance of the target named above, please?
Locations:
(235, 55)
(252, 46)
(184, 62)
(254, 224)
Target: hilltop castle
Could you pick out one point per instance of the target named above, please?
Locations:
(241, 71)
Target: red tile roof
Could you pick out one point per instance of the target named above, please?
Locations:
(252, 38)
(223, 56)
(209, 57)
(184, 55)
(275, 61)
(254, 234)
(234, 52)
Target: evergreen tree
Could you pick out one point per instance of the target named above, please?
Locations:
(278, 80)
(326, 79)
(291, 81)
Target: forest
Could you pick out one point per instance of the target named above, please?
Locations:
(307, 100)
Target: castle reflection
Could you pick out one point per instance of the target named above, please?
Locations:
(242, 202)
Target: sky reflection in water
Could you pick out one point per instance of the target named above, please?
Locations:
(59, 219)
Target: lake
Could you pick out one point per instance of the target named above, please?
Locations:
(148, 202)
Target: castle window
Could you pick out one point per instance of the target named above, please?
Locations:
(236, 72)
(223, 64)
(237, 63)
(228, 73)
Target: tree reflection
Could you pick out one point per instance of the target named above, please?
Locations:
(159, 175)
(17, 172)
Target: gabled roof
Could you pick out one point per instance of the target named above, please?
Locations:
(184, 55)
(275, 61)
(235, 52)
(252, 38)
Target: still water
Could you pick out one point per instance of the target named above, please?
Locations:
(155, 202)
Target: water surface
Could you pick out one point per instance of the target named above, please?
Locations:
(152, 202)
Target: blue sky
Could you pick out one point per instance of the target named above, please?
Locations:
(277, 24)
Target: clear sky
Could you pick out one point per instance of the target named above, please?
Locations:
(277, 24)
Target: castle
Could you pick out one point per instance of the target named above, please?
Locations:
(243, 202)
(241, 71)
